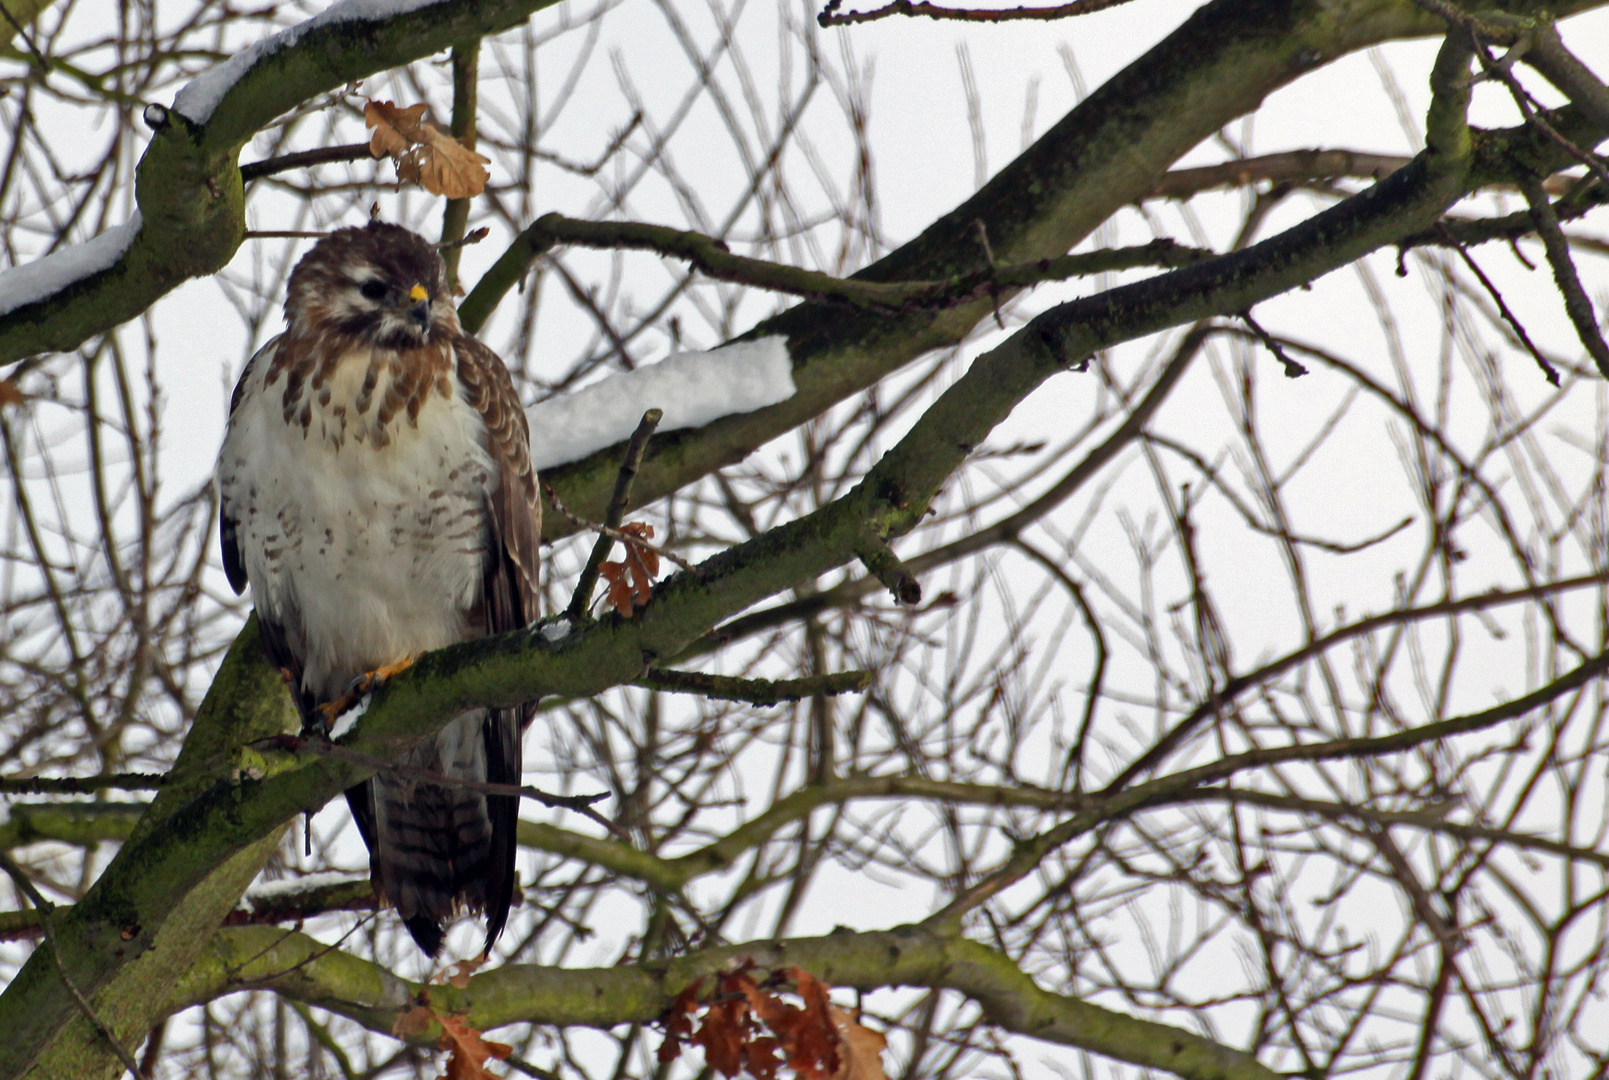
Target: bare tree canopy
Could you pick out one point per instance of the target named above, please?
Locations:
(1140, 609)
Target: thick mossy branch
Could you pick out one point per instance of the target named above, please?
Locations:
(188, 183)
(154, 907)
(303, 969)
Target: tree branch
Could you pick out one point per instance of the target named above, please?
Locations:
(1576, 304)
(712, 258)
(831, 15)
(188, 184)
(303, 969)
(754, 691)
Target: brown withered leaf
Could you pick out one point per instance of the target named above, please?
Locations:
(861, 1047)
(678, 1021)
(424, 153)
(814, 1051)
(723, 1035)
(469, 1051)
(395, 128)
(448, 167)
(11, 393)
(631, 583)
(817, 1041)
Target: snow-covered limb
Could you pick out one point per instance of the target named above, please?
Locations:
(198, 98)
(34, 281)
(265, 893)
(691, 388)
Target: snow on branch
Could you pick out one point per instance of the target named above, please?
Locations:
(200, 96)
(42, 278)
(691, 388)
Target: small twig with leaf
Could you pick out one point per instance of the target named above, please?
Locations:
(629, 581)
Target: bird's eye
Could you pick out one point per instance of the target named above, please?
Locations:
(374, 290)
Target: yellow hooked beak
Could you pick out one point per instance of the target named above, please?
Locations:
(420, 311)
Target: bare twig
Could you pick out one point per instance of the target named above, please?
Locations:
(284, 234)
(712, 258)
(1576, 303)
(578, 804)
(1548, 370)
(755, 691)
(466, 96)
(81, 785)
(1293, 370)
(324, 155)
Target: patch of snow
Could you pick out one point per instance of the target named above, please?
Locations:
(557, 630)
(348, 720)
(199, 98)
(34, 281)
(269, 891)
(692, 388)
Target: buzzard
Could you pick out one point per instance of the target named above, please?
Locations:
(377, 492)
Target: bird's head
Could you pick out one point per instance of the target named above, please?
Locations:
(379, 285)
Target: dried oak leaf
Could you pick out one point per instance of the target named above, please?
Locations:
(469, 1051)
(723, 1035)
(423, 152)
(814, 1050)
(678, 1021)
(862, 1048)
(631, 582)
(395, 128)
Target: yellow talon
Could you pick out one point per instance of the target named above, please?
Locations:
(363, 684)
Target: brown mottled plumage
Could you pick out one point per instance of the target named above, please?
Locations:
(377, 492)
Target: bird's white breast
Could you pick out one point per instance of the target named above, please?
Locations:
(366, 550)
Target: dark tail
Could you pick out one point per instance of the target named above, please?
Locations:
(435, 850)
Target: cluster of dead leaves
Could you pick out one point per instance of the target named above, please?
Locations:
(423, 152)
(747, 1028)
(469, 1052)
(631, 582)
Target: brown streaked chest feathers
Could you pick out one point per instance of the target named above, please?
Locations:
(334, 387)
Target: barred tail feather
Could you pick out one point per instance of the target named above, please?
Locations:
(435, 851)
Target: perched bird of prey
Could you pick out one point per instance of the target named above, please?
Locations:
(377, 493)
